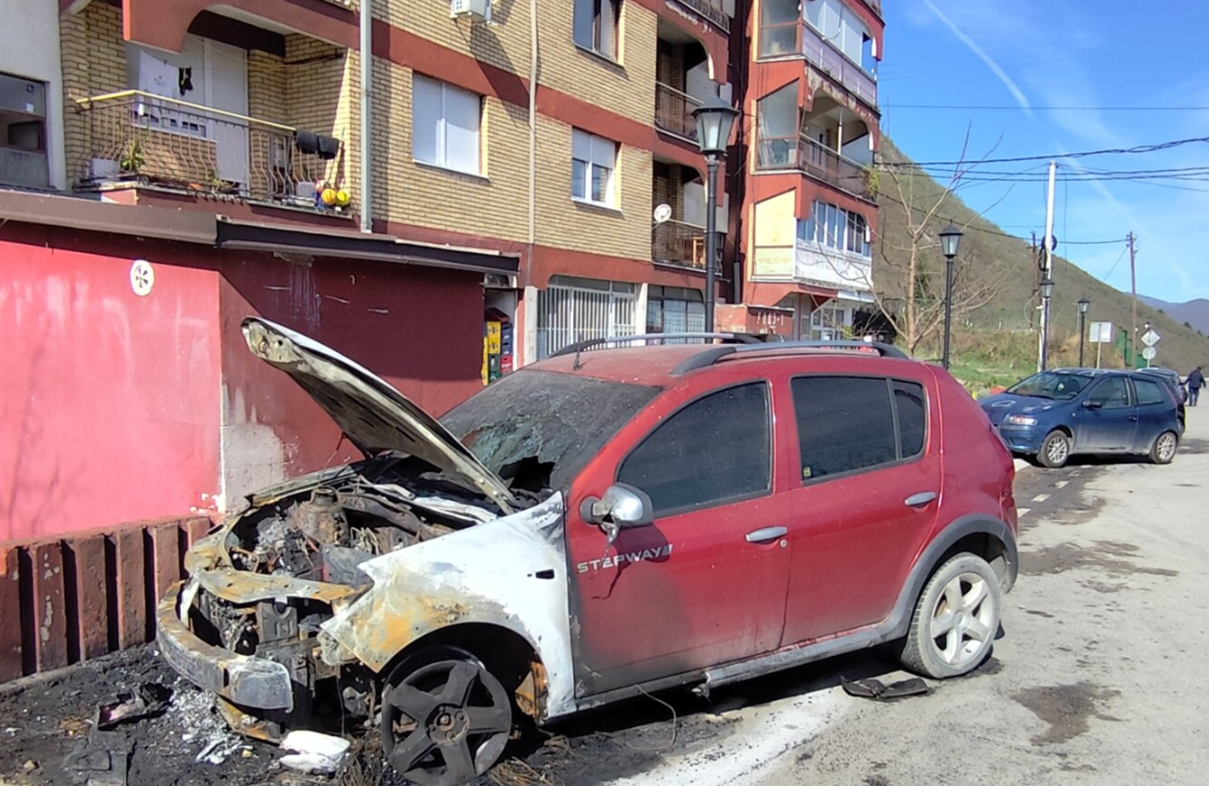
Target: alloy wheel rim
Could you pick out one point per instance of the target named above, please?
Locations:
(1167, 446)
(1057, 450)
(446, 724)
(962, 620)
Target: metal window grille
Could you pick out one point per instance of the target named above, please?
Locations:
(570, 314)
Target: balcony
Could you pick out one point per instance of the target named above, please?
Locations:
(713, 10)
(674, 111)
(831, 268)
(817, 161)
(797, 38)
(150, 140)
(680, 244)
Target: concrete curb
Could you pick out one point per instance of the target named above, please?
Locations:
(1021, 464)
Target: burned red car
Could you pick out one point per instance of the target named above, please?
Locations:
(598, 525)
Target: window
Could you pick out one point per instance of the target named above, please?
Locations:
(716, 449)
(833, 227)
(1148, 392)
(571, 310)
(596, 26)
(674, 310)
(445, 125)
(777, 115)
(593, 159)
(829, 322)
(1112, 393)
(23, 133)
(846, 424)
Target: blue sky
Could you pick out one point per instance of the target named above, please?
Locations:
(1032, 56)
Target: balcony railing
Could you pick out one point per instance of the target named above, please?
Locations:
(679, 243)
(140, 137)
(711, 10)
(674, 111)
(816, 160)
(799, 38)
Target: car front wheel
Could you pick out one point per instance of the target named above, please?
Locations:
(445, 722)
(1055, 450)
(955, 620)
(1164, 448)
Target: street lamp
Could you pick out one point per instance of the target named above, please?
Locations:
(1084, 304)
(1047, 291)
(714, 120)
(950, 239)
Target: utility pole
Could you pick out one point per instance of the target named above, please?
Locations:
(1133, 283)
(1047, 274)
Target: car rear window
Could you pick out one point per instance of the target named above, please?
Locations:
(1148, 392)
(847, 424)
(714, 450)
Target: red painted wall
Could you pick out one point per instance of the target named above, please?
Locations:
(117, 407)
(418, 328)
(107, 405)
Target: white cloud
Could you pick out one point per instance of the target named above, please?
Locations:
(973, 46)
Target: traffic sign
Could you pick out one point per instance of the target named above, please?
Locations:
(1100, 333)
(1150, 353)
(1151, 338)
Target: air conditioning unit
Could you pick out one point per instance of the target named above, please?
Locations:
(474, 10)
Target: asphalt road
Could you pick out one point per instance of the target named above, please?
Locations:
(1096, 680)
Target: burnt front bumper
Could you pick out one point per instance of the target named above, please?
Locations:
(253, 682)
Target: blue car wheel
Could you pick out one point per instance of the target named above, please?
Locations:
(1055, 450)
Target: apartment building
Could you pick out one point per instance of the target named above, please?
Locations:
(807, 202)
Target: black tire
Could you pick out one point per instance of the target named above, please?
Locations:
(956, 619)
(1164, 448)
(1055, 450)
(445, 718)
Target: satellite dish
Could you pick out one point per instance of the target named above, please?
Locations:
(663, 214)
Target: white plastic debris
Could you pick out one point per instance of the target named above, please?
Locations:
(313, 753)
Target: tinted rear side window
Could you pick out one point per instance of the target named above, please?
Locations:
(912, 416)
(716, 449)
(1148, 392)
(847, 424)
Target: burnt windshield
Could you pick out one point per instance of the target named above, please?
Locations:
(1051, 385)
(538, 429)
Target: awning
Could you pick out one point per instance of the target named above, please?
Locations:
(205, 228)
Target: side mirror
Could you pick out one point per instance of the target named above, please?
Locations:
(621, 507)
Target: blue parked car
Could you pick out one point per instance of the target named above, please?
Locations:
(1055, 414)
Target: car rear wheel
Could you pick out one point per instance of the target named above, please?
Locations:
(1164, 448)
(956, 619)
(445, 722)
(1055, 450)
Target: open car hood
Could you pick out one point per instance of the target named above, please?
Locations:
(373, 415)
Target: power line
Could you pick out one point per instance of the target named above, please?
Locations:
(1139, 149)
(1114, 264)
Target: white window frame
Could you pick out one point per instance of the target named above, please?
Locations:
(442, 157)
(834, 228)
(590, 154)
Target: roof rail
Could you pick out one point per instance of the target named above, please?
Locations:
(714, 354)
(885, 350)
(576, 349)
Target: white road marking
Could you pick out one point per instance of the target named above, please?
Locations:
(1041, 498)
(763, 735)
(1061, 484)
(1023, 512)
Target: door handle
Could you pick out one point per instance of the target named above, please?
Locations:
(920, 499)
(766, 534)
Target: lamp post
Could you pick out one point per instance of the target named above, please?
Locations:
(1047, 291)
(950, 239)
(714, 120)
(1084, 304)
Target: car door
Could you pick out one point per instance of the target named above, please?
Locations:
(867, 499)
(1156, 411)
(706, 583)
(1109, 419)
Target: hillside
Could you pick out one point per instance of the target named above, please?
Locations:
(999, 340)
(1194, 312)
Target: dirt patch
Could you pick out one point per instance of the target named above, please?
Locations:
(1194, 446)
(1068, 709)
(1111, 558)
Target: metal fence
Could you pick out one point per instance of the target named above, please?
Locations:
(136, 136)
(711, 10)
(569, 314)
(679, 243)
(815, 159)
(674, 111)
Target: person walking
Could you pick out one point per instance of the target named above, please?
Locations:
(1196, 381)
